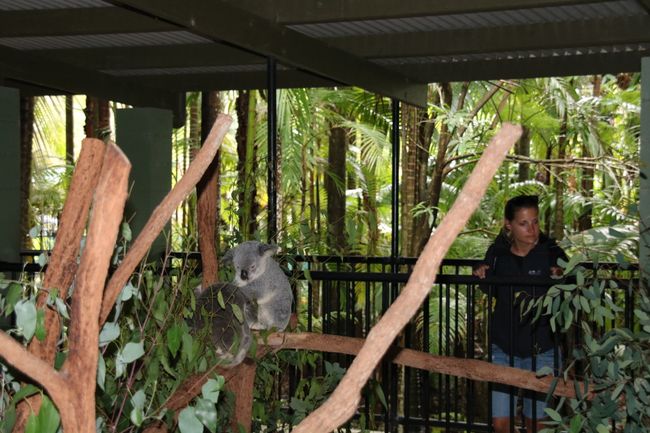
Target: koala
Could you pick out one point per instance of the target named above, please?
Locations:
(221, 311)
(261, 280)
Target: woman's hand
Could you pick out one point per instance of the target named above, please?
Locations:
(480, 271)
(556, 272)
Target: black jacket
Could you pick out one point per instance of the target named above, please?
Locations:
(507, 323)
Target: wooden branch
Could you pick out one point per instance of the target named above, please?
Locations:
(32, 366)
(344, 400)
(163, 213)
(81, 363)
(468, 368)
(472, 369)
(63, 261)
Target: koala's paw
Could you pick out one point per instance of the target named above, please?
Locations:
(257, 326)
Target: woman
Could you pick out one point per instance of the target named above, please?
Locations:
(520, 251)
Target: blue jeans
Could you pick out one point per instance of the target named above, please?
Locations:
(532, 400)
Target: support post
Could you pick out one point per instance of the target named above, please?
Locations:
(145, 136)
(271, 125)
(644, 193)
(10, 168)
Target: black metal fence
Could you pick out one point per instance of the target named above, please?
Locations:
(348, 295)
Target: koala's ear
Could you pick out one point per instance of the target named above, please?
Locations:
(227, 258)
(268, 250)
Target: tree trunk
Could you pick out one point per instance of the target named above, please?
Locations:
(335, 190)
(587, 183)
(97, 118)
(437, 178)
(558, 222)
(522, 148)
(26, 139)
(69, 132)
(208, 195)
(247, 155)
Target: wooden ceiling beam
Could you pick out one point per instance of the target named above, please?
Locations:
(77, 21)
(64, 78)
(220, 21)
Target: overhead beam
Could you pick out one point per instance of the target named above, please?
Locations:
(221, 21)
(239, 81)
(586, 33)
(77, 21)
(318, 11)
(61, 77)
(526, 68)
(168, 56)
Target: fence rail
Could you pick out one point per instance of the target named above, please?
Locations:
(348, 295)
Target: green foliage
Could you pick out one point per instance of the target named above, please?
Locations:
(614, 386)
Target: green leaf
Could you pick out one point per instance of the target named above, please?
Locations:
(132, 351)
(210, 389)
(174, 334)
(25, 392)
(40, 332)
(137, 413)
(14, 293)
(32, 424)
(110, 332)
(553, 414)
(206, 412)
(220, 300)
(576, 424)
(126, 232)
(237, 312)
(26, 318)
(601, 428)
(61, 308)
(101, 371)
(48, 417)
(188, 422)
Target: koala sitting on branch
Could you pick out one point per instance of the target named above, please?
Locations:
(263, 282)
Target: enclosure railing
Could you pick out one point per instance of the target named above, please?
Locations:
(347, 296)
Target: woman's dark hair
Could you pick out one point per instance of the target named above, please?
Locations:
(520, 202)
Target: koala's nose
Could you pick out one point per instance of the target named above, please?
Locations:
(244, 274)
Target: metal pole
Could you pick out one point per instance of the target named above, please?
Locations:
(271, 126)
(394, 245)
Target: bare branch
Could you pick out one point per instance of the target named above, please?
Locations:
(345, 399)
(163, 213)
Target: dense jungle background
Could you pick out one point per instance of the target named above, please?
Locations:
(579, 153)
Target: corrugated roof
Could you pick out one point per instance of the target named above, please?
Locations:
(188, 70)
(102, 41)
(18, 5)
(619, 8)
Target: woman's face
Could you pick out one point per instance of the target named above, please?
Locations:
(524, 227)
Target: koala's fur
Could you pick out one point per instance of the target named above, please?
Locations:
(261, 280)
(230, 336)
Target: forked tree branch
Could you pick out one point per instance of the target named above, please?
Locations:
(344, 401)
(81, 363)
(63, 261)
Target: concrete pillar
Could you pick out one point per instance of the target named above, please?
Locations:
(145, 136)
(644, 193)
(10, 169)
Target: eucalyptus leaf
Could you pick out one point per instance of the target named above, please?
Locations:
(132, 351)
(174, 334)
(26, 317)
(110, 332)
(101, 371)
(210, 389)
(188, 422)
(206, 412)
(48, 417)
